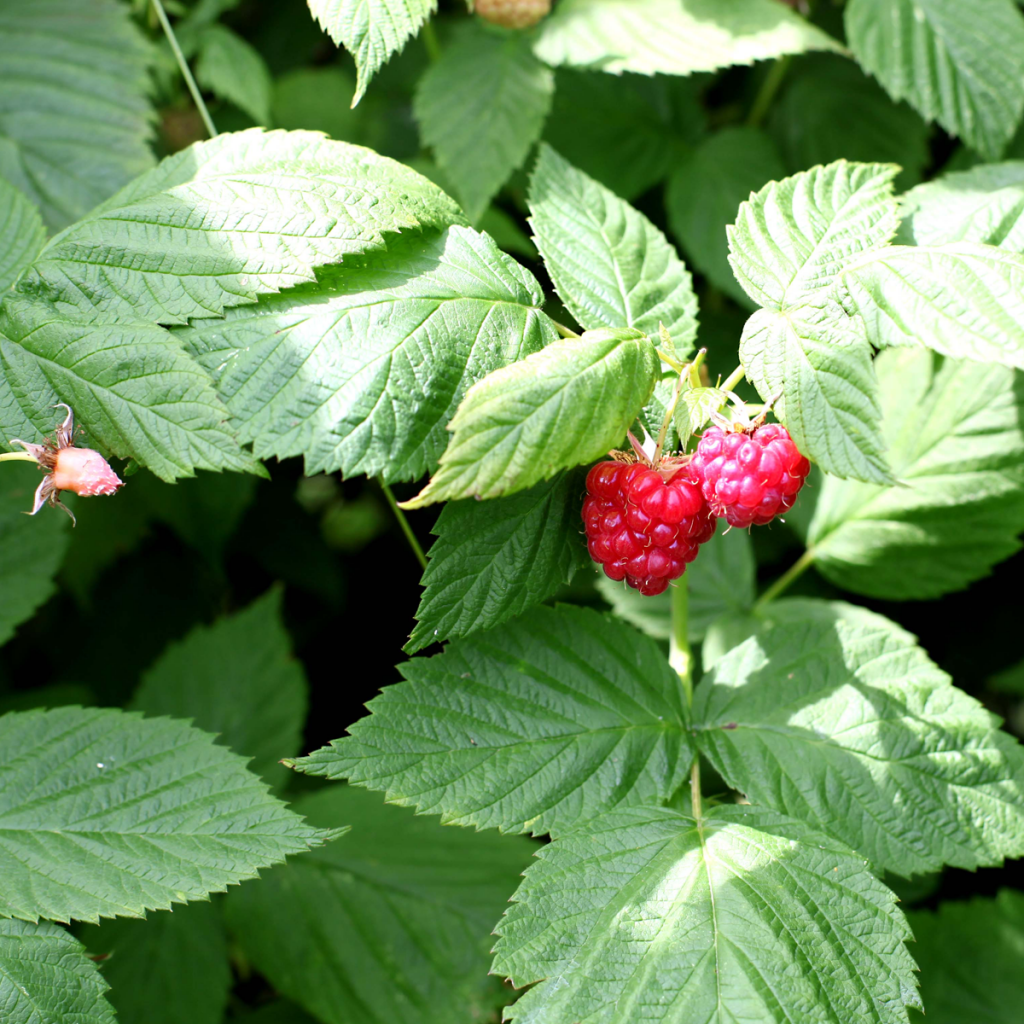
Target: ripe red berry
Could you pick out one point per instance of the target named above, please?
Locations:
(642, 529)
(748, 477)
(513, 13)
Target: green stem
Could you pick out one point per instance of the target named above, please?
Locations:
(686, 374)
(733, 379)
(565, 332)
(430, 41)
(185, 71)
(769, 87)
(404, 524)
(17, 457)
(797, 569)
(680, 657)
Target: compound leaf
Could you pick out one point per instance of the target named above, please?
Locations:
(104, 813)
(236, 678)
(673, 37)
(388, 926)
(534, 726)
(956, 446)
(226, 220)
(848, 725)
(46, 978)
(74, 112)
(744, 915)
(611, 266)
(959, 64)
(491, 562)
(371, 30)
(482, 106)
(564, 406)
(362, 371)
(792, 239)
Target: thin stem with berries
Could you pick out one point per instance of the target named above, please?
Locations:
(686, 377)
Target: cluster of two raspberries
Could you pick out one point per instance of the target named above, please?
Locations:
(646, 523)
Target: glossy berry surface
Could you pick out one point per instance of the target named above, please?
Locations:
(641, 529)
(748, 478)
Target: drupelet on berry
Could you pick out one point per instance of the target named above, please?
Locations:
(748, 477)
(642, 528)
(513, 13)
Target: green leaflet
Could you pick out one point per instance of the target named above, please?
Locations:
(46, 978)
(564, 406)
(705, 189)
(223, 221)
(984, 204)
(535, 726)
(371, 30)
(970, 955)
(491, 562)
(846, 724)
(959, 64)
(136, 814)
(131, 383)
(956, 446)
(963, 300)
(674, 37)
(792, 239)
(482, 106)
(819, 361)
(237, 679)
(391, 925)
(746, 915)
(610, 265)
(831, 109)
(31, 550)
(362, 371)
(171, 968)
(22, 235)
(74, 111)
(233, 70)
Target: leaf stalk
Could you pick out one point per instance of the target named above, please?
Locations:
(797, 569)
(403, 522)
(680, 658)
(186, 72)
(18, 457)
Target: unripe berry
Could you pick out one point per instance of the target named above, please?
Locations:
(513, 13)
(748, 477)
(84, 472)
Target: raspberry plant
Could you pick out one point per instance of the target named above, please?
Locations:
(666, 746)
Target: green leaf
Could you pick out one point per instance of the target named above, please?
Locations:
(131, 384)
(22, 235)
(984, 205)
(491, 562)
(830, 109)
(74, 112)
(135, 814)
(674, 37)
(362, 371)
(956, 445)
(610, 265)
(963, 300)
(233, 70)
(849, 726)
(171, 968)
(564, 406)
(706, 188)
(371, 30)
(970, 955)
(318, 99)
(482, 106)
(792, 239)
(226, 220)
(237, 679)
(695, 408)
(46, 978)
(31, 550)
(744, 915)
(388, 926)
(534, 726)
(959, 64)
(819, 361)
(624, 131)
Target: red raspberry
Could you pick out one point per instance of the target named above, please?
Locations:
(749, 477)
(640, 528)
(513, 13)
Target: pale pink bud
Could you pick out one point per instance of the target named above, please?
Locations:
(84, 472)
